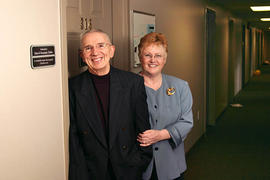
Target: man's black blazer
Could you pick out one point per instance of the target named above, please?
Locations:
(89, 149)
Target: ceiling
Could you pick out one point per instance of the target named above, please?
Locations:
(241, 9)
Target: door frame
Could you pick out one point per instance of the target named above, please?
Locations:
(64, 71)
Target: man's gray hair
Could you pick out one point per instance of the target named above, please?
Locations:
(92, 31)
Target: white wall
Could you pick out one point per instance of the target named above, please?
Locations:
(31, 113)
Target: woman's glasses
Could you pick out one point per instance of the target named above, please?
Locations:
(150, 56)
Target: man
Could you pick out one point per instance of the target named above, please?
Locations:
(108, 110)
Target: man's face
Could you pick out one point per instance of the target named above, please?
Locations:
(97, 52)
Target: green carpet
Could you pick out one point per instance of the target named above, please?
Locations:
(238, 147)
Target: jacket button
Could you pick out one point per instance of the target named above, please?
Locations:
(124, 147)
(156, 148)
(123, 129)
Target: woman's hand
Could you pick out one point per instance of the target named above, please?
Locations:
(152, 136)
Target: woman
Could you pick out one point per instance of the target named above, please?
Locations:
(170, 106)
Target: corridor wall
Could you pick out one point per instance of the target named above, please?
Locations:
(266, 46)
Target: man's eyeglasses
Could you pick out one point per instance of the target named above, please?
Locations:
(99, 46)
(150, 56)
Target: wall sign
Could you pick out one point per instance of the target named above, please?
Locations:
(42, 56)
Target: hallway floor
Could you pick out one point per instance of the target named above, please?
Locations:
(238, 147)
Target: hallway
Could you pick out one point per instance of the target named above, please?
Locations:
(238, 147)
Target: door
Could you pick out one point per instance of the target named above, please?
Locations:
(231, 62)
(250, 53)
(243, 54)
(83, 15)
(210, 66)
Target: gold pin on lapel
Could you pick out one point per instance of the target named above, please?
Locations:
(170, 91)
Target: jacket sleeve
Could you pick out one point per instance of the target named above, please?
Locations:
(142, 123)
(77, 164)
(179, 130)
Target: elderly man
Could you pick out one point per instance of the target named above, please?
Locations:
(108, 110)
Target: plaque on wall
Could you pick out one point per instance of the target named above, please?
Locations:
(42, 56)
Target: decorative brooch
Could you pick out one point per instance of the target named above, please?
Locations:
(170, 91)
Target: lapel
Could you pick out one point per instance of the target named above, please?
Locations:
(116, 97)
(88, 105)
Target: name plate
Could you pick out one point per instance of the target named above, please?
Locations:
(42, 56)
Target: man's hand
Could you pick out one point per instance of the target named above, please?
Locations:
(152, 136)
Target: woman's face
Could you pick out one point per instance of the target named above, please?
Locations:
(153, 59)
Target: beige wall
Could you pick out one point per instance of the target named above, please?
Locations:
(237, 57)
(31, 114)
(234, 58)
(222, 55)
(266, 46)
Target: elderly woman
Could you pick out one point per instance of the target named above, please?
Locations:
(170, 106)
